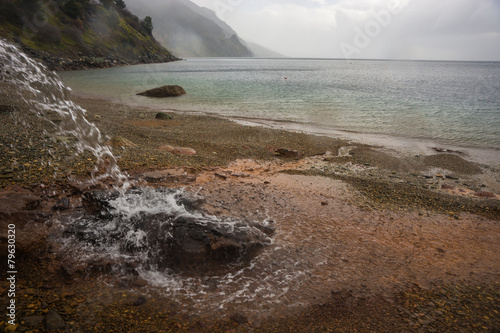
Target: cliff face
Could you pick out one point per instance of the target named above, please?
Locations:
(191, 31)
(70, 34)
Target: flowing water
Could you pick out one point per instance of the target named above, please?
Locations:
(140, 231)
(42, 92)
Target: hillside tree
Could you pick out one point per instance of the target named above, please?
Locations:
(120, 4)
(107, 3)
(147, 25)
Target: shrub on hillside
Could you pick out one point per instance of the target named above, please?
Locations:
(49, 33)
(9, 12)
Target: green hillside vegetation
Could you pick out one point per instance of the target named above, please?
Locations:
(80, 33)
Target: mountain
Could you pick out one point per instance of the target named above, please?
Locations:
(71, 34)
(189, 30)
(262, 52)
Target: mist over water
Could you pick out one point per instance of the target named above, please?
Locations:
(454, 103)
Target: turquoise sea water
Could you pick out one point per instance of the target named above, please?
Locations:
(455, 103)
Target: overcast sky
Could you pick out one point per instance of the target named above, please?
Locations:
(376, 29)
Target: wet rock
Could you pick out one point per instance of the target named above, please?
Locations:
(62, 204)
(176, 240)
(33, 321)
(163, 116)
(6, 109)
(139, 282)
(195, 244)
(239, 318)
(285, 152)
(164, 91)
(97, 202)
(53, 321)
(140, 301)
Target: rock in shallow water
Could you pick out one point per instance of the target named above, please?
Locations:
(165, 91)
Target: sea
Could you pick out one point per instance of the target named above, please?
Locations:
(407, 105)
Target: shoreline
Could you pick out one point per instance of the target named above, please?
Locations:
(401, 145)
(380, 235)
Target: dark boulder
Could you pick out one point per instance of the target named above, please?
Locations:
(165, 91)
(163, 116)
(285, 152)
(196, 244)
(53, 321)
(182, 239)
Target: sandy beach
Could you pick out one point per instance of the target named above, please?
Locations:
(384, 242)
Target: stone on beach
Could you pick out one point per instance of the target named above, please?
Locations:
(285, 152)
(164, 91)
(120, 142)
(163, 116)
(178, 150)
(53, 321)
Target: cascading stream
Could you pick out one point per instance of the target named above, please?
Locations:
(43, 92)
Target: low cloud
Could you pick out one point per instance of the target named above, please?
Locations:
(419, 29)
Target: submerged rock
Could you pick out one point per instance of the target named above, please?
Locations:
(165, 91)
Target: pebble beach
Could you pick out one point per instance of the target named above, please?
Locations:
(419, 234)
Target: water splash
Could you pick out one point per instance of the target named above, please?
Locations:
(164, 236)
(42, 92)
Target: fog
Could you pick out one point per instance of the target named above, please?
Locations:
(367, 29)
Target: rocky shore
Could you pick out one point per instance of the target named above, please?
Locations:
(390, 243)
(83, 62)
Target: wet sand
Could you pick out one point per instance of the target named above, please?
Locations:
(371, 240)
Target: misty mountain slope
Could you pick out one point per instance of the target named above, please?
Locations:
(263, 52)
(189, 30)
